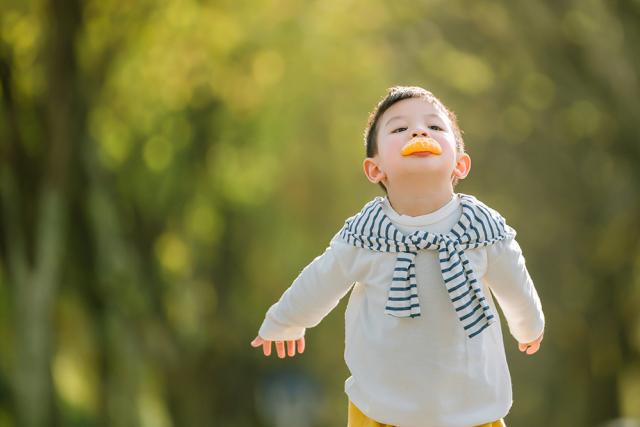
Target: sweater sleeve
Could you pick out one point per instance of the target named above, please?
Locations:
(313, 294)
(511, 284)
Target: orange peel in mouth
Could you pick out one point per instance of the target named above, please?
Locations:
(421, 144)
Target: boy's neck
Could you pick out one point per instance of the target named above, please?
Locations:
(419, 203)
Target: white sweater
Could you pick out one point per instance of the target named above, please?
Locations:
(422, 371)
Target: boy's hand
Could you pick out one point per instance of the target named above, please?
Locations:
(291, 346)
(531, 347)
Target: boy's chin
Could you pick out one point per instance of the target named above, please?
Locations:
(421, 178)
(425, 171)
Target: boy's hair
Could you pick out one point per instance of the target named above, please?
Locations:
(398, 93)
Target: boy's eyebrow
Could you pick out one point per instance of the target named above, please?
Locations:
(401, 116)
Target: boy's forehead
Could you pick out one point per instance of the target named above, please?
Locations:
(413, 105)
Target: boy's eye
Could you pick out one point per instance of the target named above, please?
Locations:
(432, 127)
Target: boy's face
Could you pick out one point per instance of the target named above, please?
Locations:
(403, 121)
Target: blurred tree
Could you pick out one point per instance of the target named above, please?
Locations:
(35, 208)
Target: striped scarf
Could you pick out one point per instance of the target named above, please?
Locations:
(479, 225)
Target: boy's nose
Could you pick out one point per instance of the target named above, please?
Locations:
(419, 132)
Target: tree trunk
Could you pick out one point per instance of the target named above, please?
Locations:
(35, 250)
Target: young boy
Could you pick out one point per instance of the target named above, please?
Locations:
(423, 339)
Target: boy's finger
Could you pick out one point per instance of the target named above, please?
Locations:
(300, 343)
(291, 348)
(280, 349)
(256, 342)
(266, 347)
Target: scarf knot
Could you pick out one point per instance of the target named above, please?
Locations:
(478, 226)
(424, 240)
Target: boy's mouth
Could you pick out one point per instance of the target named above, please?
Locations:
(421, 144)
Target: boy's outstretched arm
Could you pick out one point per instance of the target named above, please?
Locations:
(313, 294)
(509, 280)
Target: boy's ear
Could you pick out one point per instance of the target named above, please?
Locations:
(463, 166)
(372, 170)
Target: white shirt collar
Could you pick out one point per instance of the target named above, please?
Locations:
(421, 220)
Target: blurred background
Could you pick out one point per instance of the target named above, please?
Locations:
(168, 168)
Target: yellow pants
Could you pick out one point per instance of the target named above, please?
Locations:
(357, 419)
